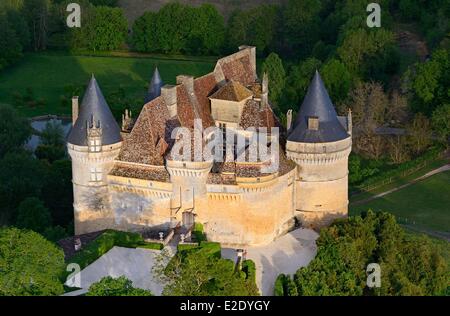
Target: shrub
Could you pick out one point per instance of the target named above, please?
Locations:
(120, 286)
(279, 285)
(248, 266)
(198, 232)
(182, 247)
(32, 214)
(211, 248)
(152, 245)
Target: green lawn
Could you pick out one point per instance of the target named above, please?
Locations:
(427, 203)
(47, 74)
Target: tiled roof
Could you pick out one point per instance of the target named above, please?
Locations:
(239, 69)
(152, 124)
(204, 87)
(317, 104)
(94, 107)
(253, 116)
(140, 172)
(149, 142)
(232, 91)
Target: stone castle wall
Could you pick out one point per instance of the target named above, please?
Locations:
(92, 209)
(321, 183)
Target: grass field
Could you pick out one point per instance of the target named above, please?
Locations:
(49, 75)
(426, 203)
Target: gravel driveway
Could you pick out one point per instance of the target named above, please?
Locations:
(284, 255)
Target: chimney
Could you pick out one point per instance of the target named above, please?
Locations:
(349, 122)
(169, 94)
(265, 90)
(289, 120)
(75, 109)
(187, 81)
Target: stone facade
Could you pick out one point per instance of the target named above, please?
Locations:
(135, 184)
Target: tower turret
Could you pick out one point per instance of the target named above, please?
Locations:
(154, 88)
(320, 145)
(93, 144)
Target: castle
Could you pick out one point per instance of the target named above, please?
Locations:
(126, 177)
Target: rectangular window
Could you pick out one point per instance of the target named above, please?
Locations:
(96, 174)
(95, 145)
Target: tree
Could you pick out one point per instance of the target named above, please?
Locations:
(121, 286)
(397, 147)
(20, 177)
(441, 122)
(207, 35)
(32, 214)
(360, 45)
(37, 14)
(109, 3)
(52, 143)
(431, 82)
(52, 134)
(144, 37)
(337, 79)
(173, 27)
(201, 271)
(107, 30)
(58, 183)
(273, 66)
(256, 27)
(30, 264)
(301, 25)
(15, 130)
(409, 265)
(50, 153)
(297, 83)
(20, 27)
(419, 132)
(10, 48)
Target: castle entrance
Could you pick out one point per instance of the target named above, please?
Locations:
(188, 219)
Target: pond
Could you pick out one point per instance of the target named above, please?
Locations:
(39, 125)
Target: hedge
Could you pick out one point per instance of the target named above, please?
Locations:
(198, 232)
(152, 245)
(249, 267)
(212, 248)
(209, 248)
(182, 247)
(105, 242)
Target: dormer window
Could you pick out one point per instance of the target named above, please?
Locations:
(94, 136)
(95, 144)
(313, 123)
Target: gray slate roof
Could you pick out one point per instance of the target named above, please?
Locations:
(317, 103)
(94, 106)
(154, 89)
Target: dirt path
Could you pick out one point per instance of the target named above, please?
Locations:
(427, 175)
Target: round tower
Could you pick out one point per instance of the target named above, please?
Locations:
(188, 175)
(93, 144)
(320, 143)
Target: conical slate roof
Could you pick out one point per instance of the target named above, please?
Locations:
(94, 106)
(154, 89)
(317, 103)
